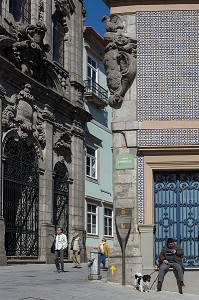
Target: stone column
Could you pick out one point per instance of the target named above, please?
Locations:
(125, 188)
(46, 227)
(146, 239)
(76, 204)
(120, 65)
(3, 258)
(76, 57)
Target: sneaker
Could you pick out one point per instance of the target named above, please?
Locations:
(159, 286)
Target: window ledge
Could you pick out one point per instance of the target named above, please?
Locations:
(96, 100)
(109, 237)
(91, 179)
(91, 235)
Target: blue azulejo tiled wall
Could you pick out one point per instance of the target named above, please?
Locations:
(167, 81)
(168, 65)
(168, 137)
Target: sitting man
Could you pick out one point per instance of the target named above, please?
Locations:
(171, 257)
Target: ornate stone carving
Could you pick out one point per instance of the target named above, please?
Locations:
(22, 114)
(63, 144)
(77, 129)
(62, 6)
(29, 51)
(65, 7)
(39, 133)
(63, 77)
(47, 114)
(119, 60)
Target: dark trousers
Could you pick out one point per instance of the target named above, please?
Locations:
(177, 269)
(59, 259)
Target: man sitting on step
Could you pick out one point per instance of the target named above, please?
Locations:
(171, 257)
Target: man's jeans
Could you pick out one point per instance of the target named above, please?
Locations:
(177, 269)
(59, 259)
(103, 259)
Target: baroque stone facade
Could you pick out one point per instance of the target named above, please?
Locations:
(42, 125)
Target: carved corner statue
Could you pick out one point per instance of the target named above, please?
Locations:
(29, 51)
(119, 60)
(24, 46)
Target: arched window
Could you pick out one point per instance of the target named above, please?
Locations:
(21, 10)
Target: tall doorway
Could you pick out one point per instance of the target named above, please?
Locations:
(61, 198)
(20, 199)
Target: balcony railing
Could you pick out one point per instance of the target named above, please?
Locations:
(92, 87)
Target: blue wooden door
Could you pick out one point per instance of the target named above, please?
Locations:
(176, 212)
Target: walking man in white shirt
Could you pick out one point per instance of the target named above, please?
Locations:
(60, 246)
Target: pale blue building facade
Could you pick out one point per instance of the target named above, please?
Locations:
(98, 145)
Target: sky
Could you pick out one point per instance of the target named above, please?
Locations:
(95, 10)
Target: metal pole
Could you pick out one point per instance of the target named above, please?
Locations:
(123, 262)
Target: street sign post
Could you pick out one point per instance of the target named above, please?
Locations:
(123, 219)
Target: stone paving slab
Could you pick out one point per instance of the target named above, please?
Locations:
(40, 282)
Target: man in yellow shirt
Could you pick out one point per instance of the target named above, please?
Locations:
(104, 250)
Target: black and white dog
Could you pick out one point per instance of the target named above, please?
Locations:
(142, 283)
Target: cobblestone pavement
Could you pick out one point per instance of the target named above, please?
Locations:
(40, 282)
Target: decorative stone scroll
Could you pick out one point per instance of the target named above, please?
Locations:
(22, 114)
(119, 60)
(63, 144)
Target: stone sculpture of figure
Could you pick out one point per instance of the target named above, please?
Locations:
(111, 59)
(29, 50)
(119, 60)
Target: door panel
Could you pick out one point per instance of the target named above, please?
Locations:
(176, 212)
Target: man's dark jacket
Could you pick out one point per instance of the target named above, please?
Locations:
(177, 256)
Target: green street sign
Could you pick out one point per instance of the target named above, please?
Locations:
(124, 161)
